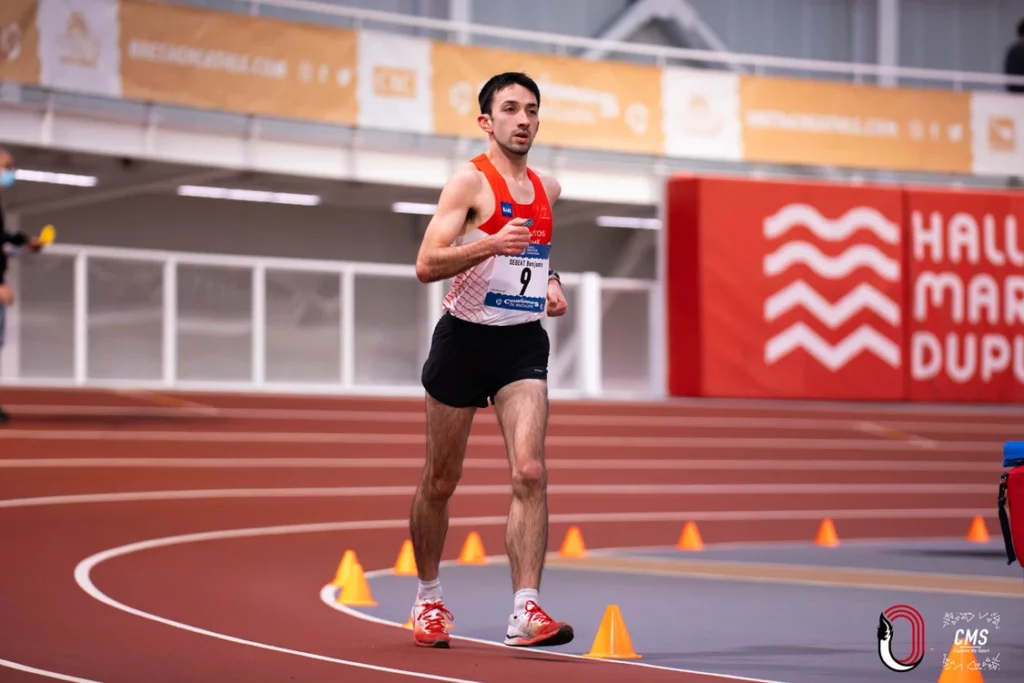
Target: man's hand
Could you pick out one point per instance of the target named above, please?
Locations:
(6, 295)
(556, 299)
(513, 238)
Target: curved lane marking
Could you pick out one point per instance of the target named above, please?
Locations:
(328, 595)
(491, 489)
(84, 580)
(627, 517)
(416, 464)
(43, 672)
(84, 570)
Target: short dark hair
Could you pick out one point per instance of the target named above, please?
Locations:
(1020, 28)
(502, 81)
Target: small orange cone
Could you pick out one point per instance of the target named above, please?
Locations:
(356, 592)
(978, 533)
(690, 538)
(612, 640)
(960, 666)
(573, 545)
(473, 550)
(827, 534)
(344, 567)
(405, 565)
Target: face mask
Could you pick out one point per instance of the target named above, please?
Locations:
(6, 177)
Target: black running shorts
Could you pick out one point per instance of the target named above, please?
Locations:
(469, 362)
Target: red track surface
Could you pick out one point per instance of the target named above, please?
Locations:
(265, 589)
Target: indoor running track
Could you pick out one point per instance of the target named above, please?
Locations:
(260, 497)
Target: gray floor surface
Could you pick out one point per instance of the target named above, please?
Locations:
(769, 631)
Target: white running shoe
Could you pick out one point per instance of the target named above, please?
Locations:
(534, 628)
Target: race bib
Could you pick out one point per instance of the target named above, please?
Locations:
(520, 282)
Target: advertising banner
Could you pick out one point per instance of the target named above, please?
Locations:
(242, 64)
(598, 105)
(795, 292)
(803, 121)
(965, 295)
(997, 125)
(237, 63)
(19, 42)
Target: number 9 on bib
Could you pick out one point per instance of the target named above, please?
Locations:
(520, 282)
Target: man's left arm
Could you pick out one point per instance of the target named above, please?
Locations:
(557, 304)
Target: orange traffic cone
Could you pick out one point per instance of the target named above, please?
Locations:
(405, 565)
(690, 538)
(573, 545)
(960, 666)
(827, 534)
(344, 567)
(612, 640)
(356, 592)
(978, 533)
(473, 550)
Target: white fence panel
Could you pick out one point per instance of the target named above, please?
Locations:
(107, 317)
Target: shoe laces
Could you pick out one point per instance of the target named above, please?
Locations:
(435, 617)
(535, 613)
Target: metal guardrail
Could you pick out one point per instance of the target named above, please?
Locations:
(661, 54)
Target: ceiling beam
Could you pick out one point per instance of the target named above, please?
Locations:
(683, 20)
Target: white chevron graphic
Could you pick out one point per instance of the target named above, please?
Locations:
(828, 267)
(862, 297)
(835, 230)
(800, 336)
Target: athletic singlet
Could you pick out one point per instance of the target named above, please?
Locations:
(506, 290)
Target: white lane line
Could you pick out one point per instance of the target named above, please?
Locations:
(499, 489)
(328, 596)
(595, 517)
(598, 420)
(891, 432)
(500, 464)
(84, 569)
(43, 672)
(624, 442)
(84, 580)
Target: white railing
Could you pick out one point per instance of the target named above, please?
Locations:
(124, 318)
(658, 53)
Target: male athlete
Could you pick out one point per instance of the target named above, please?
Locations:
(491, 233)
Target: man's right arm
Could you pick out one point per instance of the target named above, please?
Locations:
(437, 258)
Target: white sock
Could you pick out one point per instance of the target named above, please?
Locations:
(429, 591)
(522, 595)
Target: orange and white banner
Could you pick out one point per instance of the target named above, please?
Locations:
(233, 62)
(598, 105)
(19, 42)
(813, 122)
(237, 63)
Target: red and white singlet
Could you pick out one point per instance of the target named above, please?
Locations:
(506, 290)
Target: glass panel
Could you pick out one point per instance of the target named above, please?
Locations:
(125, 321)
(45, 299)
(303, 327)
(214, 323)
(390, 319)
(625, 328)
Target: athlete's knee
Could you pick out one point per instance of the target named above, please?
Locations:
(440, 484)
(529, 476)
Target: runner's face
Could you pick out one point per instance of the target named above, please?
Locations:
(515, 119)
